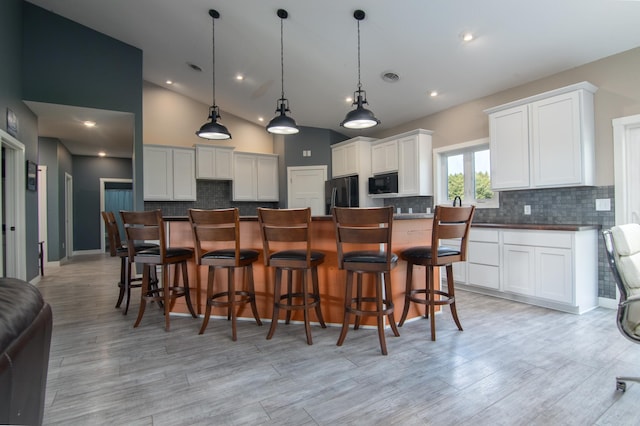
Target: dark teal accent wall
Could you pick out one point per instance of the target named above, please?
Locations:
(48, 156)
(66, 63)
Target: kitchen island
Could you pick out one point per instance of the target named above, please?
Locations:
(408, 230)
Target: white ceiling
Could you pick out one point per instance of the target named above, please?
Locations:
(516, 42)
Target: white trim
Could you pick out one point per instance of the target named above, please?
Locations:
(15, 193)
(68, 213)
(622, 187)
(603, 302)
(42, 212)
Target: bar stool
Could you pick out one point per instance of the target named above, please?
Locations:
(367, 233)
(223, 226)
(117, 248)
(288, 231)
(149, 225)
(450, 223)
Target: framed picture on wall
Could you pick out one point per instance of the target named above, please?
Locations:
(32, 176)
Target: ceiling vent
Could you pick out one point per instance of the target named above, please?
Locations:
(390, 77)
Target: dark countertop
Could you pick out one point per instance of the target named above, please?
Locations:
(401, 216)
(536, 226)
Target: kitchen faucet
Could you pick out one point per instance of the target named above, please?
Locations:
(457, 198)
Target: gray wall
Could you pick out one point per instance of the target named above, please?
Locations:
(87, 172)
(11, 82)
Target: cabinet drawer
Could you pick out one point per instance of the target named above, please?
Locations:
(484, 276)
(539, 239)
(485, 235)
(485, 253)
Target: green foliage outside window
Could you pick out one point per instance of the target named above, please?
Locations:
(483, 186)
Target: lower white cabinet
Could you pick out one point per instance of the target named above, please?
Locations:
(552, 268)
(169, 173)
(255, 177)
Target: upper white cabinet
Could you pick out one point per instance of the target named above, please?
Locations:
(351, 157)
(384, 157)
(545, 140)
(255, 177)
(214, 162)
(169, 173)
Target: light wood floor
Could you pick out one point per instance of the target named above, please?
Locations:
(514, 364)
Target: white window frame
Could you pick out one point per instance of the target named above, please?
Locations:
(440, 174)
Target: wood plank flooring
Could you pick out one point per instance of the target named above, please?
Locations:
(514, 364)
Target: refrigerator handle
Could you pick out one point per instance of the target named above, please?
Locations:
(334, 192)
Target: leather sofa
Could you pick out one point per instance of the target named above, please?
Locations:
(25, 341)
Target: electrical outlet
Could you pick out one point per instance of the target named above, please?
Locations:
(527, 209)
(603, 204)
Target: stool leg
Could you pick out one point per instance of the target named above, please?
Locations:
(252, 293)
(143, 293)
(431, 301)
(187, 289)
(166, 293)
(232, 301)
(380, 315)
(123, 261)
(276, 303)
(356, 324)
(348, 295)
(316, 292)
(389, 303)
(289, 293)
(407, 293)
(305, 302)
(127, 284)
(452, 296)
(207, 311)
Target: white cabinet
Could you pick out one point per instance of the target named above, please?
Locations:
(214, 162)
(557, 269)
(545, 140)
(169, 173)
(351, 157)
(384, 157)
(255, 177)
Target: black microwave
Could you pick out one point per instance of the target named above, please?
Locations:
(384, 184)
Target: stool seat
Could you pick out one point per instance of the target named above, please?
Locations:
(286, 243)
(170, 252)
(368, 256)
(420, 254)
(221, 227)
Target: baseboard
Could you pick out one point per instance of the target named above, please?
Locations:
(604, 302)
(85, 252)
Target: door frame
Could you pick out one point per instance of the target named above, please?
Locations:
(42, 213)
(103, 183)
(620, 150)
(14, 190)
(68, 215)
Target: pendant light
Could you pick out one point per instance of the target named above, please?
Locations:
(282, 124)
(359, 118)
(212, 129)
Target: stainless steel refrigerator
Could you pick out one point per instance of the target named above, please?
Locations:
(341, 192)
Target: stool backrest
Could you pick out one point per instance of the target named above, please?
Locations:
(221, 226)
(144, 226)
(288, 226)
(451, 223)
(113, 233)
(361, 227)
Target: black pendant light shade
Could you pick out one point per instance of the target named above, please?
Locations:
(359, 118)
(282, 124)
(213, 129)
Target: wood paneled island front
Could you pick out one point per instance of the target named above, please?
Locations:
(408, 230)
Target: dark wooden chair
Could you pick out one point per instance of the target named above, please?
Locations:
(449, 223)
(119, 249)
(210, 228)
(363, 237)
(146, 226)
(287, 247)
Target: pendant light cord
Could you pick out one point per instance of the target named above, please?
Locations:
(282, 57)
(359, 84)
(213, 61)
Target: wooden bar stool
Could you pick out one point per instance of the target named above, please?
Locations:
(367, 233)
(117, 248)
(223, 226)
(288, 230)
(149, 225)
(450, 223)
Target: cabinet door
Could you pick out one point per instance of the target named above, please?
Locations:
(244, 177)
(384, 157)
(223, 164)
(409, 166)
(509, 144)
(184, 175)
(158, 173)
(553, 274)
(267, 178)
(556, 141)
(518, 272)
(338, 161)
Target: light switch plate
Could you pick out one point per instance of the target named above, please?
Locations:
(603, 204)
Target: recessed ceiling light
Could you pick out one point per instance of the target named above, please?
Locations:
(89, 123)
(348, 99)
(169, 82)
(433, 93)
(261, 119)
(467, 36)
(239, 77)
(102, 154)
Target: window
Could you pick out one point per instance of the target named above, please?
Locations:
(464, 171)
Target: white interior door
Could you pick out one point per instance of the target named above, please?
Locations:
(42, 211)
(68, 214)
(306, 188)
(626, 153)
